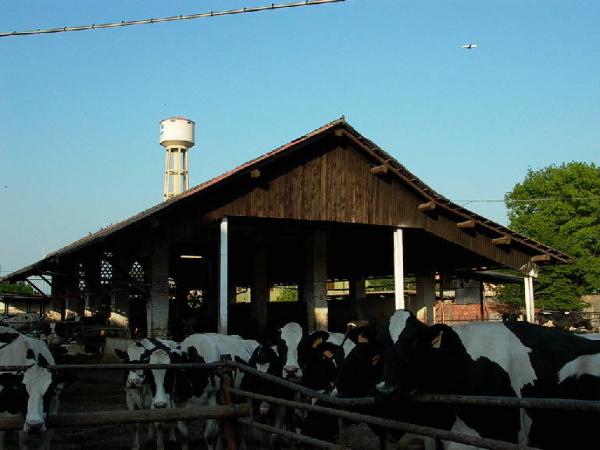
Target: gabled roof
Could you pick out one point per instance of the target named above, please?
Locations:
(341, 127)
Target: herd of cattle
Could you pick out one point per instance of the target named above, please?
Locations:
(514, 359)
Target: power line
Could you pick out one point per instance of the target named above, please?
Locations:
(529, 200)
(126, 23)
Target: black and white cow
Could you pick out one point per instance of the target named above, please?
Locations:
(564, 320)
(138, 393)
(298, 346)
(494, 359)
(196, 387)
(35, 392)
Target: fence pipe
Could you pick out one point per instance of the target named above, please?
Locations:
(562, 404)
(511, 402)
(387, 423)
(124, 366)
(139, 416)
(292, 436)
(230, 432)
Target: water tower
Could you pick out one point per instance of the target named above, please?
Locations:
(177, 137)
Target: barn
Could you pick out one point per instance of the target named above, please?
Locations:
(330, 205)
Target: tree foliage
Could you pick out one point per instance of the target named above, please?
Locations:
(17, 288)
(560, 207)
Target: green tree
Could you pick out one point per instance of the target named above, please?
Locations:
(560, 206)
(17, 288)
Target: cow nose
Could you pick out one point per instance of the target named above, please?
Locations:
(291, 371)
(385, 392)
(160, 405)
(34, 427)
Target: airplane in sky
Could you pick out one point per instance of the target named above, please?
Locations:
(470, 46)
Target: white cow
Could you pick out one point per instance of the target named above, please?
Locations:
(29, 391)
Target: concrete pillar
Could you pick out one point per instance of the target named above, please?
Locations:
(59, 294)
(314, 288)
(92, 285)
(399, 269)
(72, 294)
(223, 276)
(425, 298)
(158, 304)
(260, 288)
(358, 295)
(119, 293)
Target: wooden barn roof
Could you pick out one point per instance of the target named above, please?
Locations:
(340, 128)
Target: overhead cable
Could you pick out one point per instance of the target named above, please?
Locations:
(529, 200)
(126, 23)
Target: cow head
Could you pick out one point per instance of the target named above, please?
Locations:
(162, 381)
(291, 335)
(37, 380)
(135, 353)
(321, 365)
(362, 368)
(269, 358)
(410, 347)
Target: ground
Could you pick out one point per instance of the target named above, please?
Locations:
(103, 391)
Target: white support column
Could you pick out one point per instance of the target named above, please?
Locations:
(529, 299)
(531, 271)
(223, 281)
(158, 305)
(399, 268)
(425, 297)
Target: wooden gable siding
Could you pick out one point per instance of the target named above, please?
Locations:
(336, 184)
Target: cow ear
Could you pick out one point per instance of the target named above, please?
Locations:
(43, 362)
(328, 354)
(123, 356)
(437, 340)
(30, 354)
(193, 355)
(363, 338)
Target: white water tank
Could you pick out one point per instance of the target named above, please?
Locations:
(177, 137)
(177, 131)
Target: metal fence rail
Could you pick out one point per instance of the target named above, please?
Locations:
(387, 423)
(510, 402)
(291, 435)
(230, 413)
(122, 417)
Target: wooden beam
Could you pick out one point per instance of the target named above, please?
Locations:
(255, 173)
(429, 206)
(339, 132)
(545, 257)
(504, 240)
(466, 225)
(380, 170)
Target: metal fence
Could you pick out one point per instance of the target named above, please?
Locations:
(233, 414)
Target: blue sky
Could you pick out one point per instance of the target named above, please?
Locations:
(79, 112)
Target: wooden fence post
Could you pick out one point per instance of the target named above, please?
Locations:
(230, 431)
